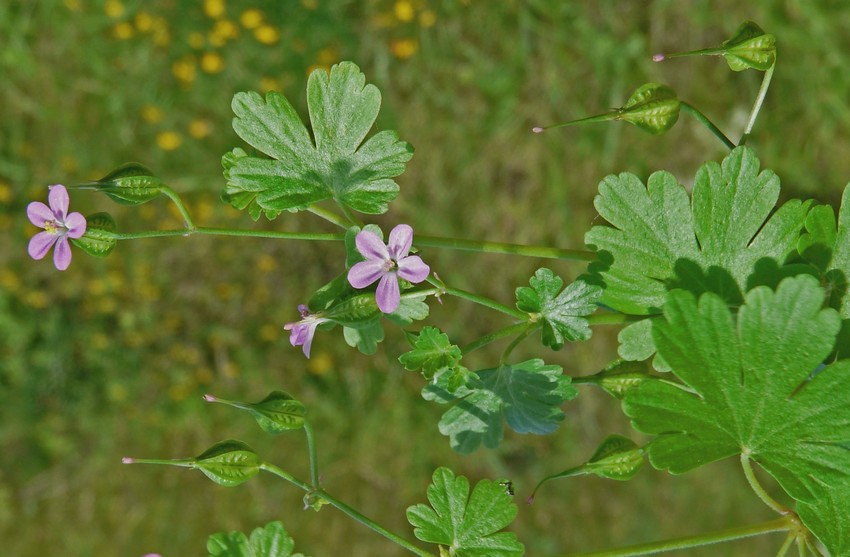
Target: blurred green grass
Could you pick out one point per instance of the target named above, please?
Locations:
(111, 357)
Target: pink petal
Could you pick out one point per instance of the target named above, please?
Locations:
(58, 199)
(413, 269)
(371, 246)
(40, 244)
(62, 253)
(387, 295)
(401, 238)
(365, 273)
(76, 225)
(39, 213)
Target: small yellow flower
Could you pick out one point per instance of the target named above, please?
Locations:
(269, 84)
(320, 363)
(113, 8)
(9, 280)
(169, 140)
(404, 11)
(69, 164)
(211, 62)
(214, 8)
(5, 193)
(196, 40)
(184, 69)
(251, 19)
(161, 34)
(73, 5)
(427, 18)
(225, 29)
(144, 22)
(123, 31)
(327, 57)
(267, 34)
(152, 114)
(404, 48)
(269, 332)
(199, 128)
(310, 4)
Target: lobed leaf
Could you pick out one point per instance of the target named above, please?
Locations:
(466, 525)
(269, 541)
(335, 164)
(755, 386)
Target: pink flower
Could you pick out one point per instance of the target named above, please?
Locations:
(303, 331)
(58, 226)
(386, 263)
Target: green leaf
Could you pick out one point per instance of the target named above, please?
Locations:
(619, 377)
(660, 239)
(129, 184)
(410, 309)
(653, 107)
(828, 518)
(636, 344)
(364, 337)
(750, 47)
(528, 394)
(754, 387)
(561, 313)
(338, 166)
(466, 525)
(270, 541)
(617, 458)
(99, 238)
(432, 353)
(228, 463)
(242, 197)
(276, 413)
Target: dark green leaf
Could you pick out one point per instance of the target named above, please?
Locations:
(432, 353)
(129, 184)
(339, 166)
(99, 238)
(528, 394)
(827, 516)
(561, 313)
(750, 47)
(466, 525)
(270, 541)
(365, 337)
(228, 463)
(750, 387)
(276, 413)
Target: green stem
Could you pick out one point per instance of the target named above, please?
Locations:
(779, 525)
(339, 505)
(758, 489)
(510, 330)
(311, 453)
(615, 318)
(789, 539)
(501, 247)
(327, 215)
(765, 84)
(172, 195)
(703, 119)
(203, 230)
(350, 216)
(514, 343)
(486, 302)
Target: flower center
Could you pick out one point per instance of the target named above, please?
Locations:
(55, 227)
(390, 265)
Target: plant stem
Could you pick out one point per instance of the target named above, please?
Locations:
(339, 505)
(327, 215)
(203, 230)
(311, 453)
(494, 336)
(765, 84)
(501, 247)
(614, 318)
(703, 119)
(172, 195)
(777, 525)
(758, 489)
(514, 343)
(486, 302)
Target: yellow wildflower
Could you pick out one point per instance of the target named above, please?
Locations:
(251, 19)
(224, 29)
(5, 193)
(404, 48)
(211, 62)
(404, 11)
(196, 40)
(184, 69)
(123, 31)
(73, 5)
(267, 34)
(427, 18)
(214, 8)
(144, 21)
(152, 114)
(113, 8)
(310, 4)
(199, 128)
(269, 84)
(169, 140)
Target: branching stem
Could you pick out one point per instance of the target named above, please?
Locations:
(703, 119)
(758, 489)
(765, 85)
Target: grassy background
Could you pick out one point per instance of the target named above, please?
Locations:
(111, 357)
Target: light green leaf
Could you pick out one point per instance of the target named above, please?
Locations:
(466, 525)
(228, 463)
(653, 107)
(129, 184)
(750, 47)
(616, 458)
(99, 239)
(827, 516)
(364, 337)
(752, 387)
(561, 313)
(528, 394)
(270, 541)
(276, 413)
(432, 353)
(338, 166)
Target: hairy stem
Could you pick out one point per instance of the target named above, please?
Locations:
(510, 330)
(486, 302)
(758, 489)
(172, 195)
(311, 454)
(703, 119)
(339, 505)
(765, 85)
(779, 525)
(207, 231)
(327, 215)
